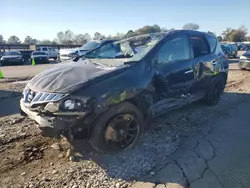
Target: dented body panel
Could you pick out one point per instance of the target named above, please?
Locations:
(153, 88)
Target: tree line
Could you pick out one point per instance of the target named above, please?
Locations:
(68, 37)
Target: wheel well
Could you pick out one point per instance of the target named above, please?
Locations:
(141, 103)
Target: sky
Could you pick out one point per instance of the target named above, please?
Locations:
(43, 19)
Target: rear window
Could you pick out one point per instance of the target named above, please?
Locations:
(199, 46)
(212, 42)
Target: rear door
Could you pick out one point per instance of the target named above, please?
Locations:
(175, 66)
(204, 59)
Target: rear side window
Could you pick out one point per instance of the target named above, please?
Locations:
(199, 46)
(212, 42)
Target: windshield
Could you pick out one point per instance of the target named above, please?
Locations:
(90, 46)
(134, 48)
(38, 53)
(12, 53)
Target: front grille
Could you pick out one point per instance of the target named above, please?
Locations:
(32, 97)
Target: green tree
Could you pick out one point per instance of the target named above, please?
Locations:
(87, 36)
(235, 35)
(14, 40)
(148, 29)
(191, 26)
(226, 34)
(219, 38)
(130, 33)
(29, 40)
(98, 36)
(211, 33)
(119, 36)
(45, 41)
(79, 39)
(1, 39)
(66, 37)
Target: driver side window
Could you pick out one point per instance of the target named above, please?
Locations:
(173, 50)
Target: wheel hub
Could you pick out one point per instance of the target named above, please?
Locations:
(122, 131)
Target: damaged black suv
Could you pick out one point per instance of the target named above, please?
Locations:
(112, 91)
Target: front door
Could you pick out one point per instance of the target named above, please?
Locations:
(174, 66)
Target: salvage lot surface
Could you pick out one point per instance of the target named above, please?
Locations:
(196, 146)
(26, 70)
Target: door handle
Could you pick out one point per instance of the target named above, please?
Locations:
(189, 71)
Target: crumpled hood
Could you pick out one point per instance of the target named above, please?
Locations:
(70, 76)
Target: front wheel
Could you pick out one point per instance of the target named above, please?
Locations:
(117, 129)
(213, 95)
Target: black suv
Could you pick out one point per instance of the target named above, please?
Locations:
(112, 92)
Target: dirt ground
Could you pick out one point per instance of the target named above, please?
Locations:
(29, 160)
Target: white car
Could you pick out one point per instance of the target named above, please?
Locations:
(67, 54)
(70, 53)
(51, 52)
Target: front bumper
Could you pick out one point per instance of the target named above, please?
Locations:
(41, 60)
(10, 61)
(245, 64)
(51, 126)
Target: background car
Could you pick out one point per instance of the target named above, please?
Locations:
(67, 54)
(244, 61)
(39, 57)
(12, 58)
(51, 52)
(26, 54)
(233, 50)
(226, 50)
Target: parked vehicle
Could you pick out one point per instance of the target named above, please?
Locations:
(244, 61)
(39, 57)
(26, 54)
(112, 92)
(12, 58)
(233, 50)
(51, 52)
(226, 50)
(67, 54)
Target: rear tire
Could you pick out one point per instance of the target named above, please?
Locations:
(105, 129)
(213, 95)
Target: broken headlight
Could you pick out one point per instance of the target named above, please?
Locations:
(73, 105)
